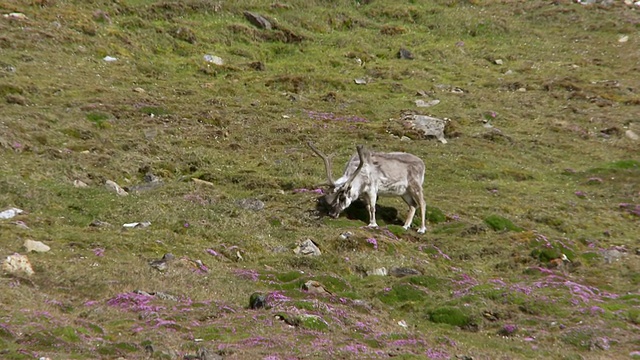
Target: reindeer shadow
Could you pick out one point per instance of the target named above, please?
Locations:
(358, 211)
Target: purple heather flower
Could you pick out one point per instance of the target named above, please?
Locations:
(374, 242)
(580, 194)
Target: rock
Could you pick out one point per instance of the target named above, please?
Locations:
(405, 54)
(17, 264)
(360, 81)
(16, 99)
(139, 90)
(403, 271)
(498, 61)
(21, 225)
(612, 255)
(250, 204)
(257, 20)
(202, 182)
(98, 223)
(422, 103)
(9, 213)
(378, 272)
(162, 264)
(111, 185)
(257, 66)
(35, 246)
(257, 301)
(16, 16)
(80, 184)
(143, 224)
(430, 126)
(308, 247)
(632, 135)
(206, 354)
(314, 287)
(109, 59)
(214, 60)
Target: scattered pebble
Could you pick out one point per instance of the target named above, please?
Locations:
(109, 59)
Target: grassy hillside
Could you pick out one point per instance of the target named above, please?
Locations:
(542, 163)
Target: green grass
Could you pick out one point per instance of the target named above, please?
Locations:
(557, 175)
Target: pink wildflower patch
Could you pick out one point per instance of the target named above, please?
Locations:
(373, 242)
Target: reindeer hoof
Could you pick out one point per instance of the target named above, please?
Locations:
(406, 227)
(372, 226)
(422, 231)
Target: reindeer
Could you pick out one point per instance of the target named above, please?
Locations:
(369, 174)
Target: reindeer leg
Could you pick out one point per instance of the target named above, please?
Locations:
(371, 205)
(412, 210)
(423, 212)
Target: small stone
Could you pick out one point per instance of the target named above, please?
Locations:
(623, 39)
(257, 20)
(308, 247)
(250, 204)
(403, 271)
(632, 135)
(35, 246)
(214, 60)
(360, 81)
(498, 62)
(17, 264)
(405, 54)
(139, 90)
(98, 223)
(162, 264)
(16, 99)
(80, 184)
(257, 301)
(422, 103)
(9, 213)
(142, 224)
(314, 287)
(377, 272)
(111, 185)
(110, 59)
(16, 15)
(522, 89)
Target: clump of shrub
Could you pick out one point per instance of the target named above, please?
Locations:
(451, 315)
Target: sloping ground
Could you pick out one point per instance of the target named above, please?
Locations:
(534, 202)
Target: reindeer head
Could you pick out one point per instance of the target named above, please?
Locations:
(340, 196)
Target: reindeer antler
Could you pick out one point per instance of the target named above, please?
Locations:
(361, 155)
(327, 162)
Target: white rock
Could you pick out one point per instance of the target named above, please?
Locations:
(16, 264)
(214, 60)
(499, 62)
(35, 246)
(9, 213)
(623, 39)
(308, 247)
(143, 224)
(422, 103)
(110, 59)
(115, 187)
(360, 81)
(379, 272)
(632, 135)
(80, 184)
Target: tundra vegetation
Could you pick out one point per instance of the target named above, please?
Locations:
(533, 204)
